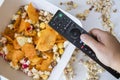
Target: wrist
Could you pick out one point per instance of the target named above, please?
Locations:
(116, 63)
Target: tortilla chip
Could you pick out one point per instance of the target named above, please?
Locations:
(10, 49)
(44, 66)
(9, 34)
(8, 38)
(29, 50)
(32, 13)
(48, 27)
(16, 45)
(35, 40)
(46, 40)
(60, 39)
(17, 23)
(23, 25)
(30, 33)
(36, 60)
(17, 56)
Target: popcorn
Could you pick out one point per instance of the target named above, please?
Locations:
(3, 40)
(5, 50)
(39, 34)
(44, 77)
(28, 20)
(56, 55)
(25, 69)
(66, 44)
(15, 67)
(22, 40)
(50, 67)
(41, 13)
(40, 73)
(60, 45)
(42, 25)
(45, 13)
(24, 15)
(29, 73)
(26, 7)
(15, 17)
(55, 48)
(69, 5)
(36, 77)
(58, 59)
(34, 70)
(10, 26)
(83, 15)
(104, 7)
(47, 73)
(61, 51)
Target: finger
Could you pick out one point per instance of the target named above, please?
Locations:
(98, 34)
(91, 42)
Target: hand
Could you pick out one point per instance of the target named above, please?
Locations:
(106, 47)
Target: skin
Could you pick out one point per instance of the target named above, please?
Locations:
(106, 47)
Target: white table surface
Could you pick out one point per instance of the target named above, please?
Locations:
(92, 22)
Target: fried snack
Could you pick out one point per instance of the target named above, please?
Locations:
(31, 44)
(60, 39)
(29, 50)
(36, 60)
(42, 25)
(23, 25)
(9, 34)
(17, 56)
(47, 40)
(30, 33)
(32, 13)
(45, 63)
(10, 50)
(17, 23)
(16, 45)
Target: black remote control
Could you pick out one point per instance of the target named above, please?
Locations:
(72, 31)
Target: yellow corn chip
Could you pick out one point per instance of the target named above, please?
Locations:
(9, 34)
(23, 25)
(17, 56)
(36, 60)
(29, 50)
(17, 23)
(32, 13)
(16, 45)
(44, 66)
(46, 40)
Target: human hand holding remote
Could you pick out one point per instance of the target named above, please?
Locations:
(106, 48)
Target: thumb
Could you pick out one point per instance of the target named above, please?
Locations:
(91, 42)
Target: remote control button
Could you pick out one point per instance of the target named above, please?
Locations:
(82, 47)
(93, 55)
(60, 15)
(81, 42)
(89, 52)
(74, 41)
(75, 33)
(86, 49)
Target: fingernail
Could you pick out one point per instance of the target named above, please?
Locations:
(83, 37)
